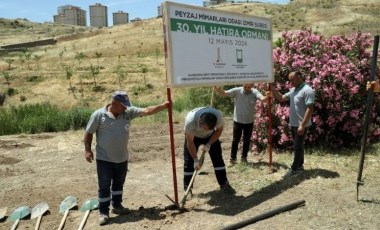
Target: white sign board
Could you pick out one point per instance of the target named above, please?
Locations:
(212, 47)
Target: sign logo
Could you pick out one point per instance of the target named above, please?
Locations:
(218, 63)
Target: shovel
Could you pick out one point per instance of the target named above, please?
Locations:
(67, 204)
(87, 206)
(38, 211)
(3, 211)
(201, 161)
(18, 214)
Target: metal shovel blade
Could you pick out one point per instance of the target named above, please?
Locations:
(87, 206)
(3, 212)
(67, 204)
(39, 210)
(20, 213)
(90, 204)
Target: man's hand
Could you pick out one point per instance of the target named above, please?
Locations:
(300, 130)
(375, 85)
(206, 147)
(89, 156)
(197, 165)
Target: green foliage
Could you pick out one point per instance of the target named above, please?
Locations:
(277, 43)
(34, 79)
(138, 89)
(200, 97)
(11, 91)
(39, 118)
(121, 73)
(94, 70)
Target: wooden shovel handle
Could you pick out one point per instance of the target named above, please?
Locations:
(84, 220)
(15, 224)
(38, 223)
(63, 220)
(188, 189)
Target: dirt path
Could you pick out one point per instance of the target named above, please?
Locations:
(49, 167)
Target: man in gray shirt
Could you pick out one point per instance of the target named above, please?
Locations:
(301, 98)
(245, 98)
(111, 125)
(204, 126)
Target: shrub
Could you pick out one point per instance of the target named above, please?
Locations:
(337, 68)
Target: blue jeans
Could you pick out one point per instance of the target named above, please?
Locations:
(111, 178)
(299, 149)
(239, 129)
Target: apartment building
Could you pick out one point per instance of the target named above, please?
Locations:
(120, 17)
(98, 15)
(70, 15)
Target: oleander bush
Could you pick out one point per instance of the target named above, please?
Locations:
(337, 68)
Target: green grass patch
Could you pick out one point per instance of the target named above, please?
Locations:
(38, 118)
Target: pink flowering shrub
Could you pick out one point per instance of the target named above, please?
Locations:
(337, 68)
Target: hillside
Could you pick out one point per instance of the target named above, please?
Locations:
(134, 52)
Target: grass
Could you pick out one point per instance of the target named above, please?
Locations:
(40, 118)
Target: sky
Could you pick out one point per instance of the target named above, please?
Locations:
(43, 10)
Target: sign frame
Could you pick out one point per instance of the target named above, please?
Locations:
(224, 48)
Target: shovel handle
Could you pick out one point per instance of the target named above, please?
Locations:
(38, 223)
(188, 188)
(63, 220)
(84, 220)
(15, 224)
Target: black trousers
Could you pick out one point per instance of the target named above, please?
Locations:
(239, 129)
(216, 158)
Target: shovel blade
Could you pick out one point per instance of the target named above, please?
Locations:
(20, 213)
(39, 210)
(90, 204)
(67, 204)
(3, 212)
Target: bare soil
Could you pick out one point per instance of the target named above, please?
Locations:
(51, 166)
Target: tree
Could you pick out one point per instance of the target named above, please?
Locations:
(98, 55)
(28, 56)
(79, 56)
(69, 73)
(157, 54)
(94, 72)
(7, 79)
(37, 58)
(22, 60)
(9, 61)
(61, 56)
(144, 70)
(121, 73)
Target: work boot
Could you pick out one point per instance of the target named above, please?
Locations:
(292, 173)
(120, 210)
(244, 160)
(232, 162)
(103, 219)
(226, 187)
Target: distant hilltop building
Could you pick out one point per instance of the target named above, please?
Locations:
(120, 18)
(159, 11)
(98, 15)
(136, 20)
(212, 2)
(70, 15)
